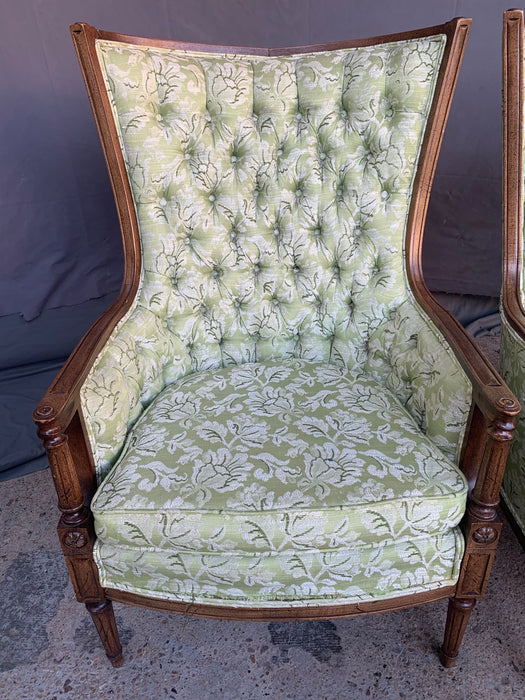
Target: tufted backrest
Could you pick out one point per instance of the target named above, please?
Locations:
(272, 195)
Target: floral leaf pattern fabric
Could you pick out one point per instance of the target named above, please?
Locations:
(513, 371)
(269, 462)
(272, 196)
(292, 579)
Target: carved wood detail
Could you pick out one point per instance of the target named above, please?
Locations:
(457, 619)
(104, 618)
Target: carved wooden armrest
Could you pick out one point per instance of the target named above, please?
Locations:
(59, 420)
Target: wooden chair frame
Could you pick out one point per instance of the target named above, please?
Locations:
(492, 418)
(513, 97)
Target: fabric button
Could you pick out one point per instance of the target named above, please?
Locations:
(322, 156)
(298, 193)
(279, 151)
(276, 231)
(211, 197)
(233, 159)
(162, 202)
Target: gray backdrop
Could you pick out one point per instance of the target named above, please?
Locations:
(61, 240)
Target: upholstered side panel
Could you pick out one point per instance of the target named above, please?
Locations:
(272, 197)
(513, 371)
(411, 357)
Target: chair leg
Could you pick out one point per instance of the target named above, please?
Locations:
(459, 610)
(104, 619)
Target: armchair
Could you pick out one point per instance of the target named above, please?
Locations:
(513, 290)
(275, 419)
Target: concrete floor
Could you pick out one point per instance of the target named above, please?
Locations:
(49, 648)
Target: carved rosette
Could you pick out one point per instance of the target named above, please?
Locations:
(75, 540)
(485, 535)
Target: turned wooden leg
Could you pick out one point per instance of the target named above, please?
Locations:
(459, 610)
(104, 619)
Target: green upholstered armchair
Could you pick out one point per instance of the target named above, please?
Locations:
(513, 289)
(275, 420)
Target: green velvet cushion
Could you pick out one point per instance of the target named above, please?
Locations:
(279, 462)
(513, 371)
(272, 195)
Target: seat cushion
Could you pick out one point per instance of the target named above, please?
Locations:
(256, 465)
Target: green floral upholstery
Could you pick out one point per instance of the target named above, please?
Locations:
(305, 416)
(272, 463)
(513, 371)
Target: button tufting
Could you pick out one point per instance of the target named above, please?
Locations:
(298, 117)
(298, 193)
(233, 159)
(233, 234)
(279, 152)
(162, 202)
(316, 232)
(256, 268)
(384, 194)
(211, 197)
(322, 156)
(276, 231)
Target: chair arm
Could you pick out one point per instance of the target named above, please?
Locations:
(492, 420)
(60, 402)
(490, 393)
(59, 421)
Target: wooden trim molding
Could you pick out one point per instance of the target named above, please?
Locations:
(311, 612)
(513, 95)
